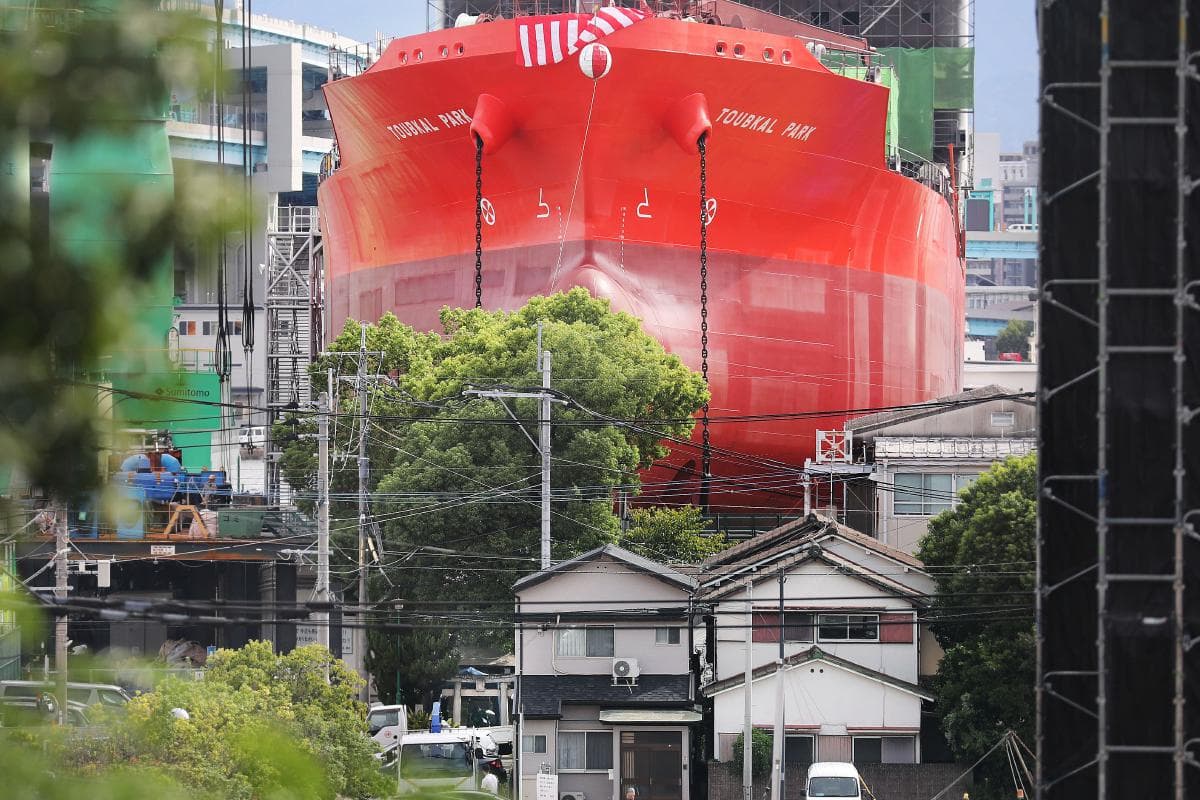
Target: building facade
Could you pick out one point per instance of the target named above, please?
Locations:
(605, 693)
(829, 617)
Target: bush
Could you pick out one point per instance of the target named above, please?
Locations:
(760, 752)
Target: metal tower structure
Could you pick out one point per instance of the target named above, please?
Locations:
(1118, 550)
(295, 311)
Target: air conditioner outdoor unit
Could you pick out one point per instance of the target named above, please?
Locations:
(625, 669)
(572, 796)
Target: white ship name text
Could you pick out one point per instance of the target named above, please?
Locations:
(761, 123)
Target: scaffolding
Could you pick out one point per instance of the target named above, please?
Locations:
(295, 321)
(1118, 553)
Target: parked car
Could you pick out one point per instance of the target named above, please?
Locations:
(85, 694)
(23, 711)
(833, 779)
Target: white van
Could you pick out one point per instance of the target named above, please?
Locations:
(252, 438)
(833, 779)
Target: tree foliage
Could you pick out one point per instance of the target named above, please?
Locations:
(1014, 337)
(981, 554)
(258, 725)
(85, 77)
(671, 535)
(455, 480)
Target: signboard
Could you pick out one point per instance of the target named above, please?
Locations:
(307, 634)
(162, 549)
(547, 786)
(185, 403)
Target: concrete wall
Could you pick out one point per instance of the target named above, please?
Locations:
(616, 586)
(823, 588)
(886, 781)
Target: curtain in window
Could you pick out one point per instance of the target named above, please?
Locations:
(600, 642)
(571, 751)
(572, 642)
(599, 750)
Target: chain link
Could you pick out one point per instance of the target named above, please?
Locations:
(706, 452)
(478, 222)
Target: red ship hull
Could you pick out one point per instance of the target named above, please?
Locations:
(834, 282)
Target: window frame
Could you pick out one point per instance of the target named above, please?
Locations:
(525, 737)
(586, 733)
(821, 638)
(668, 629)
(812, 747)
(854, 748)
(928, 507)
(585, 628)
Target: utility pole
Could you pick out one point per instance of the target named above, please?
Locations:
(748, 726)
(60, 622)
(778, 745)
(544, 437)
(545, 398)
(323, 511)
(360, 632)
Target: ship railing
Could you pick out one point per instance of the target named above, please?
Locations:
(930, 173)
(346, 62)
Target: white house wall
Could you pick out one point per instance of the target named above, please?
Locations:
(620, 588)
(818, 694)
(820, 588)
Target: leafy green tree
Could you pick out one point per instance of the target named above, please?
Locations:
(86, 78)
(982, 554)
(671, 535)
(258, 725)
(1014, 337)
(454, 479)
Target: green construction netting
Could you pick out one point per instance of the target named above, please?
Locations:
(933, 78)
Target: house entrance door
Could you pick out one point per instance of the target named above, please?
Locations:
(652, 762)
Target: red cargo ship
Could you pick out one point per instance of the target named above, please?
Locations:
(834, 281)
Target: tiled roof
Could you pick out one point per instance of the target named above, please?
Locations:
(773, 543)
(542, 696)
(661, 571)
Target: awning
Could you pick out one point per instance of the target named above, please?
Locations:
(650, 716)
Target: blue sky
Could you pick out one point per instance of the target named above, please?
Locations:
(1005, 41)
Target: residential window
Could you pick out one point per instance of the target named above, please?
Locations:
(533, 744)
(1003, 419)
(666, 635)
(587, 642)
(884, 750)
(585, 750)
(868, 750)
(797, 626)
(848, 627)
(798, 749)
(923, 493)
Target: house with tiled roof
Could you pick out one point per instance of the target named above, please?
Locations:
(605, 694)
(828, 619)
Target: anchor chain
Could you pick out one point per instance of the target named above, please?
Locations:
(478, 222)
(706, 452)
